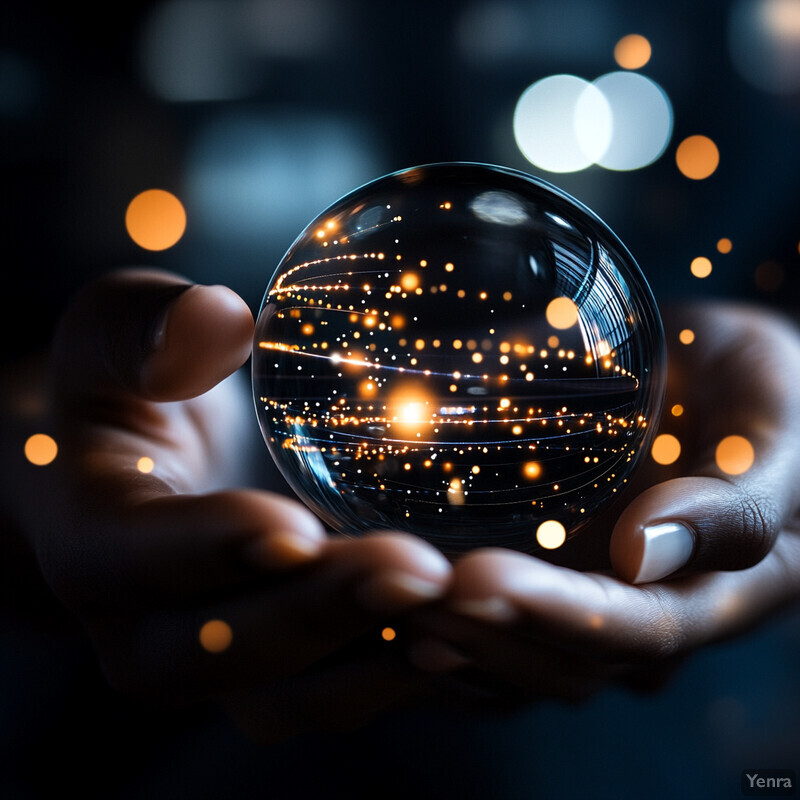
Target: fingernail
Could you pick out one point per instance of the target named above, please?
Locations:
(434, 655)
(667, 547)
(393, 591)
(488, 609)
(281, 549)
(165, 300)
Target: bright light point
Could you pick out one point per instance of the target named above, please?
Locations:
(686, 336)
(632, 51)
(697, 157)
(734, 455)
(551, 534)
(701, 267)
(677, 410)
(666, 449)
(561, 313)
(41, 449)
(388, 634)
(532, 470)
(409, 281)
(562, 123)
(642, 116)
(215, 636)
(155, 219)
(145, 464)
(724, 246)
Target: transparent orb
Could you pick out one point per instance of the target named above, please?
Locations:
(460, 351)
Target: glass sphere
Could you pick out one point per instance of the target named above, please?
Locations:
(460, 351)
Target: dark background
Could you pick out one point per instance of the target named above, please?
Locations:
(304, 101)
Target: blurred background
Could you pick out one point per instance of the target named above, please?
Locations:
(254, 115)
(202, 135)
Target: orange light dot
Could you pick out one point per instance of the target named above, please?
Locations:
(632, 51)
(532, 470)
(551, 534)
(215, 636)
(561, 313)
(724, 245)
(677, 410)
(388, 634)
(701, 267)
(409, 281)
(734, 455)
(666, 449)
(145, 464)
(686, 336)
(41, 449)
(697, 157)
(155, 219)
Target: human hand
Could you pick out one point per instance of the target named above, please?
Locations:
(143, 559)
(540, 629)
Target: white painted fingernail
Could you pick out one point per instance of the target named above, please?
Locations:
(667, 547)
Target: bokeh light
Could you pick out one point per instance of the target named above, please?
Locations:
(388, 634)
(40, 449)
(145, 465)
(697, 157)
(551, 534)
(701, 267)
(734, 455)
(724, 245)
(666, 449)
(641, 120)
(686, 336)
(632, 51)
(562, 123)
(155, 219)
(215, 636)
(764, 43)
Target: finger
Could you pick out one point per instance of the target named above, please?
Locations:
(149, 333)
(278, 628)
(173, 549)
(602, 617)
(722, 515)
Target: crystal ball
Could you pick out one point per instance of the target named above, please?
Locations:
(460, 351)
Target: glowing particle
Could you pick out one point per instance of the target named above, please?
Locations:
(551, 534)
(666, 449)
(701, 267)
(632, 51)
(40, 449)
(532, 470)
(145, 464)
(724, 245)
(388, 634)
(561, 313)
(686, 336)
(677, 410)
(697, 157)
(215, 636)
(155, 219)
(734, 455)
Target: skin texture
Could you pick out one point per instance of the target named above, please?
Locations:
(140, 366)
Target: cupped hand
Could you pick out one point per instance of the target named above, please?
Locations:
(698, 553)
(145, 553)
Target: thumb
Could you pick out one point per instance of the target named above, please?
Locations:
(151, 334)
(695, 524)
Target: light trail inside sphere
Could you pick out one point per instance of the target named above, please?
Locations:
(408, 374)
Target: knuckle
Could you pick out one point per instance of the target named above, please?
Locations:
(757, 526)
